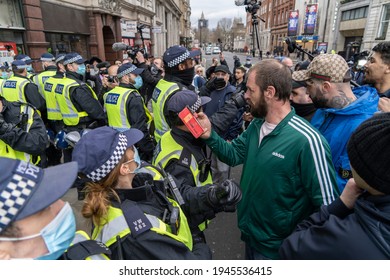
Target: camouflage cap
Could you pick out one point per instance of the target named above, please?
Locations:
(327, 67)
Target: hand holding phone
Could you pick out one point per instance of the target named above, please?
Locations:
(191, 122)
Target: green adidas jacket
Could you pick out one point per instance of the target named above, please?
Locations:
(284, 180)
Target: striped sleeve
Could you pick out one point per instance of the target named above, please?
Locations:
(323, 167)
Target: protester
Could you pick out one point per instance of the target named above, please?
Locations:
(287, 172)
(357, 225)
(339, 108)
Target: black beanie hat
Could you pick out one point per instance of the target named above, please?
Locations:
(369, 151)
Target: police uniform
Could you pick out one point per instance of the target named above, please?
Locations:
(146, 223)
(22, 132)
(21, 88)
(125, 108)
(40, 79)
(167, 86)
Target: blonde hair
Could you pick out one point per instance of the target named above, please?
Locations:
(100, 193)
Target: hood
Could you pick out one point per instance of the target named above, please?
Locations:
(366, 103)
(373, 213)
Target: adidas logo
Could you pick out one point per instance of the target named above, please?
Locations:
(278, 155)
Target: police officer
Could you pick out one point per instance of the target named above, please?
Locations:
(22, 131)
(28, 61)
(49, 70)
(125, 107)
(179, 74)
(20, 88)
(131, 211)
(77, 101)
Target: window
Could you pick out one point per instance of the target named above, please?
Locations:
(384, 22)
(355, 13)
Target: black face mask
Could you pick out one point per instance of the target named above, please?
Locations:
(303, 110)
(186, 76)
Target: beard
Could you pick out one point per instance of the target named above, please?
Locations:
(318, 99)
(261, 110)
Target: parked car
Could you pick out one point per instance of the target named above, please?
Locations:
(208, 50)
(216, 50)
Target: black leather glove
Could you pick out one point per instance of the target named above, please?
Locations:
(225, 196)
(220, 83)
(210, 85)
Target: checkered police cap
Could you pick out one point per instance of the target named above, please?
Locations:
(24, 57)
(178, 54)
(327, 67)
(128, 68)
(47, 57)
(19, 64)
(99, 151)
(181, 99)
(26, 189)
(73, 58)
(60, 57)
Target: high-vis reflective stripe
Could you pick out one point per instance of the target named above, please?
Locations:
(70, 115)
(7, 151)
(13, 89)
(81, 236)
(116, 225)
(161, 93)
(149, 169)
(170, 149)
(115, 104)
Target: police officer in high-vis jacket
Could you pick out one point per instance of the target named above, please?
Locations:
(125, 107)
(179, 73)
(22, 131)
(131, 210)
(28, 61)
(49, 70)
(78, 103)
(20, 88)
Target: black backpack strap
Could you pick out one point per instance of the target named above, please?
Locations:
(85, 249)
(135, 218)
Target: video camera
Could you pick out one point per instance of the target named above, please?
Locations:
(252, 6)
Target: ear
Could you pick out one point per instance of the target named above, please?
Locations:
(269, 92)
(327, 86)
(124, 170)
(181, 66)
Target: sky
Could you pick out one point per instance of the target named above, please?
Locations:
(215, 10)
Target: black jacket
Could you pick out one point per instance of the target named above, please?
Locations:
(32, 142)
(336, 232)
(150, 245)
(83, 100)
(137, 119)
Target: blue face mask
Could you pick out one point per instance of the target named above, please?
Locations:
(137, 160)
(81, 69)
(30, 69)
(57, 235)
(138, 82)
(4, 75)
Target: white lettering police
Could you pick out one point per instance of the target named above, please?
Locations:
(112, 98)
(139, 224)
(30, 170)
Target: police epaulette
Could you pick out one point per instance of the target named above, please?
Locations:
(85, 249)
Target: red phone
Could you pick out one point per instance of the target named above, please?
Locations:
(191, 122)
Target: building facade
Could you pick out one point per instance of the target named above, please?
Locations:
(91, 27)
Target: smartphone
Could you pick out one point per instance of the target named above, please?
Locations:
(191, 122)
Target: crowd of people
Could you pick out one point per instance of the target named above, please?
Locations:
(314, 182)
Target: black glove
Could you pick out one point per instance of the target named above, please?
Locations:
(210, 85)
(239, 99)
(225, 196)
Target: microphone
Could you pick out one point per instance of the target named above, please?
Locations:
(242, 2)
(120, 47)
(291, 45)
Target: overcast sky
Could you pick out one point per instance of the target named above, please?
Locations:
(214, 10)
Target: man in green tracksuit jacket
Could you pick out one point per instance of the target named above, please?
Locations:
(288, 172)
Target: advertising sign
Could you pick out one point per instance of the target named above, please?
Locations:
(293, 23)
(310, 19)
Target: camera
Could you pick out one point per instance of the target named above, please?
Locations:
(132, 52)
(111, 79)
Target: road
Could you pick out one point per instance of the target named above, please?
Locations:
(222, 235)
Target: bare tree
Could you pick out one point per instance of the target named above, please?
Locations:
(223, 32)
